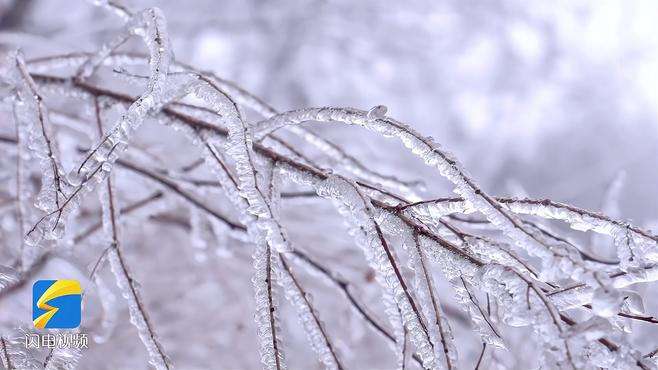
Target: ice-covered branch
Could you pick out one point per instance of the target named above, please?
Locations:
(432, 154)
(245, 167)
(119, 267)
(150, 25)
(32, 121)
(6, 360)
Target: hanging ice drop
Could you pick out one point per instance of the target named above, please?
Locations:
(377, 112)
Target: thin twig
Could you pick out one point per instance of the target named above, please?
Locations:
(5, 354)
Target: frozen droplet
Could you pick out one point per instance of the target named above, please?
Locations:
(377, 112)
(606, 302)
(634, 302)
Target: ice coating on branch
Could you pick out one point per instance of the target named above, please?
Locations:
(114, 7)
(308, 317)
(33, 124)
(266, 315)
(63, 359)
(261, 226)
(150, 25)
(354, 166)
(377, 112)
(438, 326)
(557, 260)
(239, 148)
(635, 247)
(430, 213)
(353, 205)
(16, 353)
(330, 149)
(458, 271)
(267, 323)
(452, 264)
(490, 251)
(127, 285)
(480, 321)
(8, 276)
(523, 304)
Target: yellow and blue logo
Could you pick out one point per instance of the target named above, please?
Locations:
(56, 304)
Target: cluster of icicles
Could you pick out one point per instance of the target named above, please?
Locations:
(381, 211)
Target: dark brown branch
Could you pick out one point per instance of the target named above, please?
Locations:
(485, 315)
(176, 189)
(115, 246)
(434, 299)
(479, 362)
(124, 210)
(268, 153)
(42, 116)
(288, 269)
(271, 308)
(5, 354)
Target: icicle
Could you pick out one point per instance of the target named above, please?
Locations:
(200, 234)
(110, 312)
(610, 207)
(377, 112)
(23, 193)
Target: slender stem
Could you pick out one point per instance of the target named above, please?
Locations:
(5, 354)
(298, 286)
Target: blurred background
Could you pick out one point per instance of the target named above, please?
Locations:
(543, 99)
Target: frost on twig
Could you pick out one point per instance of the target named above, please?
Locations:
(150, 25)
(503, 268)
(33, 124)
(118, 264)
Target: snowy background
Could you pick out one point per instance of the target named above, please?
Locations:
(552, 99)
